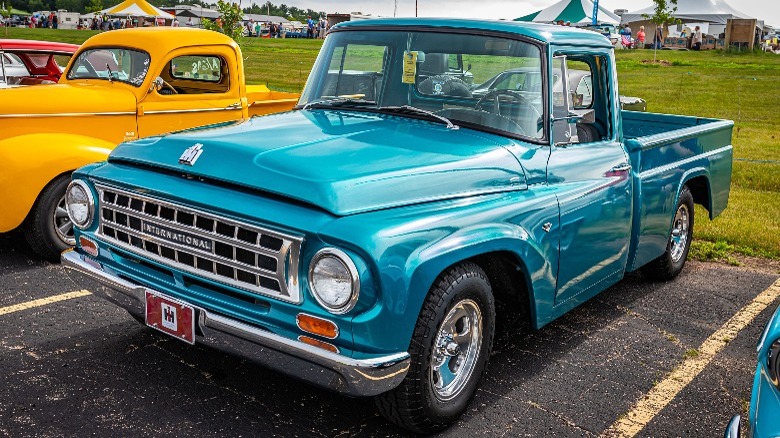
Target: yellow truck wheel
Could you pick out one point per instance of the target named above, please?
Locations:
(48, 229)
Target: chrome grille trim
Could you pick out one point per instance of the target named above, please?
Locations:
(232, 252)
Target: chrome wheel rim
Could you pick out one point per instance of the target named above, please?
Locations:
(679, 238)
(63, 226)
(455, 350)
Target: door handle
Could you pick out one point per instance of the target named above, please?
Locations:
(625, 167)
(233, 106)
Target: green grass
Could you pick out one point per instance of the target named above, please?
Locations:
(740, 87)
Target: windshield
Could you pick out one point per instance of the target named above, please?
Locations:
(120, 64)
(477, 81)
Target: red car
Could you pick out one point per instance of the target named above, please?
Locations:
(29, 62)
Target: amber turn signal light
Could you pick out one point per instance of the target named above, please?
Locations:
(317, 326)
(317, 343)
(88, 246)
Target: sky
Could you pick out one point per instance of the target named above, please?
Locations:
(498, 9)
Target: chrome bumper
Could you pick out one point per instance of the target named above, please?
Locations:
(364, 377)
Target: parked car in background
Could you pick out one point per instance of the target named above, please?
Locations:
(120, 85)
(527, 82)
(30, 62)
(764, 413)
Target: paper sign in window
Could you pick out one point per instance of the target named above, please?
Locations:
(410, 67)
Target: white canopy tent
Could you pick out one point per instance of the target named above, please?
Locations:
(711, 11)
(136, 8)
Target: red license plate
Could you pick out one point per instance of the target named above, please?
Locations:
(170, 316)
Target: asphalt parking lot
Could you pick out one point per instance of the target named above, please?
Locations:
(80, 366)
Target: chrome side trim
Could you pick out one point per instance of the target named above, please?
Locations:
(195, 110)
(665, 168)
(354, 377)
(114, 113)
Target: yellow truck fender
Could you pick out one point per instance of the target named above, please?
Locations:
(29, 162)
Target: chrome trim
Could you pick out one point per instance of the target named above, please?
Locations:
(350, 265)
(298, 323)
(195, 110)
(109, 113)
(286, 274)
(90, 201)
(672, 166)
(733, 430)
(346, 375)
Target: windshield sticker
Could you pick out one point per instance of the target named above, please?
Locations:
(410, 67)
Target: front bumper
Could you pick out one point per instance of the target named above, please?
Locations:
(363, 377)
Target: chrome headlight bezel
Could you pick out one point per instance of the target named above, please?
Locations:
(773, 363)
(350, 267)
(90, 201)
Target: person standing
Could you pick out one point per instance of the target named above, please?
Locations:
(640, 37)
(310, 28)
(658, 38)
(697, 38)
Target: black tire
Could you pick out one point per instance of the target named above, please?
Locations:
(671, 262)
(417, 404)
(40, 226)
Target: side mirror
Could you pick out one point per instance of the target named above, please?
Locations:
(157, 84)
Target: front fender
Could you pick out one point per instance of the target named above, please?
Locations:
(29, 162)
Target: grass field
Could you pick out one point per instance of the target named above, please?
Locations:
(740, 87)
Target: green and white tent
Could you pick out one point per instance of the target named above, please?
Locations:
(575, 11)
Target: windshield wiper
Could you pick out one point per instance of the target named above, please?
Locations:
(414, 110)
(338, 102)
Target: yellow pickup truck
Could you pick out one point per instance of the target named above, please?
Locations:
(119, 86)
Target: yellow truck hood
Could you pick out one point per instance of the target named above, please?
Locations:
(66, 99)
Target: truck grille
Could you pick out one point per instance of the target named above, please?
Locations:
(239, 254)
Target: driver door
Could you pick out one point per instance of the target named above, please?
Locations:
(200, 86)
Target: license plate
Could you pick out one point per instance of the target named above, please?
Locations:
(170, 316)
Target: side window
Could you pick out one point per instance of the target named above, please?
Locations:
(581, 102)
(197, 74)
(197, 68)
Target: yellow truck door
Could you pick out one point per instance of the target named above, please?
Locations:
(196, 86)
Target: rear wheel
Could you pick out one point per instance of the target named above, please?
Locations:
(671, 262)
(48, 229)
(449, 352)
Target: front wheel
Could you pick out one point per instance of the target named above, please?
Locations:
(48, 229)
(671, 262)
(449, 351)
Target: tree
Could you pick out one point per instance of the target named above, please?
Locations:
(229, 21)
(94, 6)
(6, 13)
(662, 15)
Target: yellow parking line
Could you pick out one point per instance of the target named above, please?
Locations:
(44, 301)
(651, 404)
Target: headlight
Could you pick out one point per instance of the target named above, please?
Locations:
(80, 203)
(334, 281)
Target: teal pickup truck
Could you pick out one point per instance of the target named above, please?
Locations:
(361, 241)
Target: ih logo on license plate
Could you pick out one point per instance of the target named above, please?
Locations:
(170, 316)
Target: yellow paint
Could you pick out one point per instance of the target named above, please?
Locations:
(43, 301)
(50, 130)
(651, 404)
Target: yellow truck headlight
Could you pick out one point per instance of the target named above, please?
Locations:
(334, 281)
(80, 204)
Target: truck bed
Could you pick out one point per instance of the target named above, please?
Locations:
(262, 100)
(666, 152)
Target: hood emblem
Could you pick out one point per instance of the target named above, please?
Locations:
(191, 154)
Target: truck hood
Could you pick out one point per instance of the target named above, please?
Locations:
(66, 99)
(344, 162)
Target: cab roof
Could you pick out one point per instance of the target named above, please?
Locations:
(158, 39)
(546, 33)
